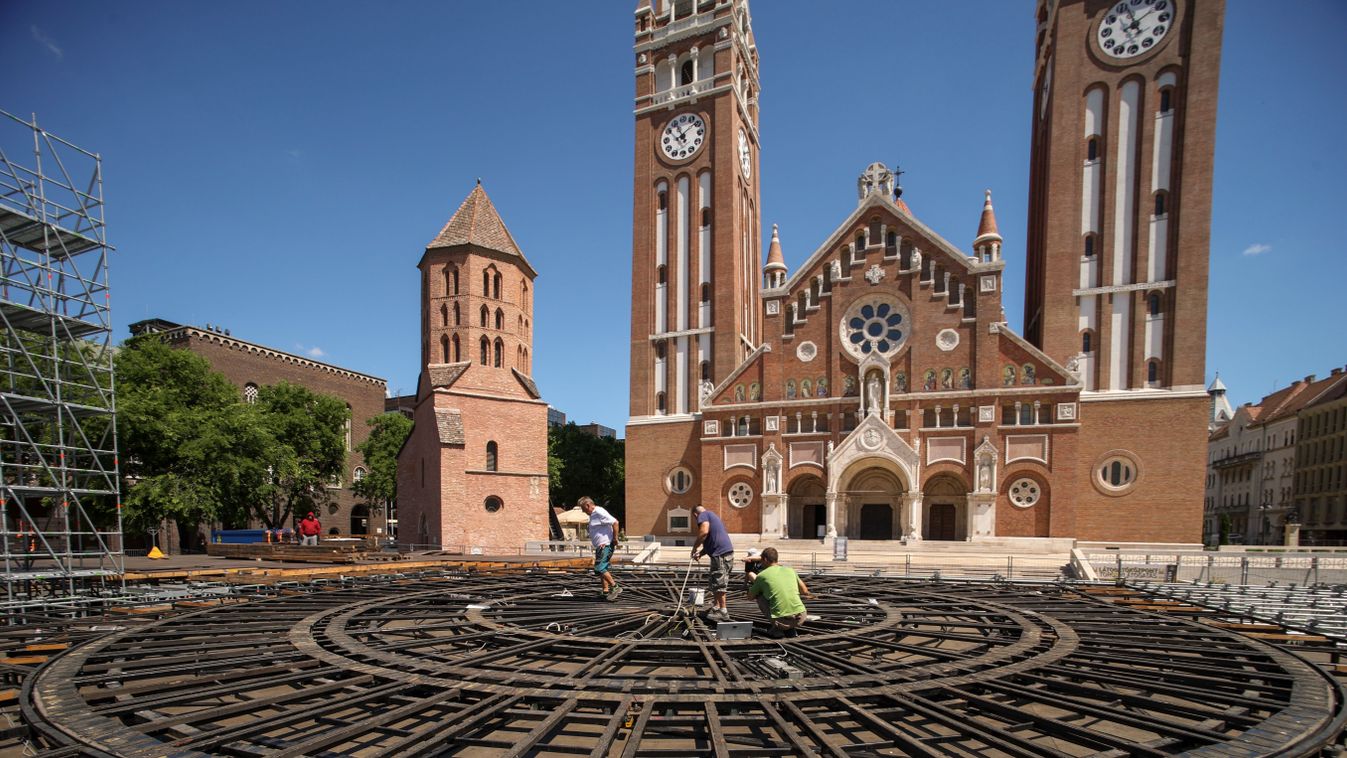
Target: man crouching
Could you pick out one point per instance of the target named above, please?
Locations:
(778, 589)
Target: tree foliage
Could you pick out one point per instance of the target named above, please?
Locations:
(194, 452)
(387, 434)
(580, 463)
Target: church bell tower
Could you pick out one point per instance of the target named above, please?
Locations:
(696, 265)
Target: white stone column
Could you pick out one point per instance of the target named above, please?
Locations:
(832, 514)
(913, 500)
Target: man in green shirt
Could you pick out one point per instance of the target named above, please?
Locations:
(777, 590)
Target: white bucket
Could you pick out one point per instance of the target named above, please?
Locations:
(694, 596)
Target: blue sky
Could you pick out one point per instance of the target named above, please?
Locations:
(277, 168)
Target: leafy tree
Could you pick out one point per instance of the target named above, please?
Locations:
(580, 463)
(309, 450)
(387, 434)
(183, 441)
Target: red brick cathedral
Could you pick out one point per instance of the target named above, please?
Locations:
(876, 391)
(473, 473)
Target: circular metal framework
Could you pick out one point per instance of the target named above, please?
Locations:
(540, 664)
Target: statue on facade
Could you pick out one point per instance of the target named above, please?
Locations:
(875, 403)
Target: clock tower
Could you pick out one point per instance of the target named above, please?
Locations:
(696, 247)
(1118, 238)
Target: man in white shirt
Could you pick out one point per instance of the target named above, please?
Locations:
(603, 536)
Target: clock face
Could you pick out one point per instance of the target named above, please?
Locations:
(683, 136)
(1132, 27)
(745, 155)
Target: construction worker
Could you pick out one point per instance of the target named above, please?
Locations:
(603, 536)
(714, 541)
(309, 529)
(778, 589)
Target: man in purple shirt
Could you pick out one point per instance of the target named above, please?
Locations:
(714, 541)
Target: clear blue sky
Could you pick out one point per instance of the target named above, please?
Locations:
(277, 168)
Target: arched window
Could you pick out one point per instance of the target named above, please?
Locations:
(484, 314)
(706, 371)
(662, 274)
(359, 474)
(706, 217)
(1086, 343)
(486, 352)
(250, 393)
(451, 281)
(526, 360)
(860, 241)
(500, 353)
(1089, 246)
(486, 284)
(1166, 99)
(1152, 371)
(1092, 149)
(524, 294)
(1153, 303)
(444, 315)
(458, 317)
(891, 242)
(663, 200)
(685, 73)
(495, 286)
(1161, 198)
(444, 349)
(500, 319)
(706, 292)
(659, 403)
(491, 452)
(458, 354)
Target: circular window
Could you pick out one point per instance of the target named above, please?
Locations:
(741, 494)
(1025, 492)
(493, 504)
(1117, 473)
(679, 481)
(874, 326)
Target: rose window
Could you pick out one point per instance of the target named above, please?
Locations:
(741, 495)
(1025, 492)
(874, 327)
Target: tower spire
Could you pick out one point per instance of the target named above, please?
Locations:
(988, 242)
(776, 263)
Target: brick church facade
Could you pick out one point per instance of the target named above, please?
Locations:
(876, 391)
(473, 473)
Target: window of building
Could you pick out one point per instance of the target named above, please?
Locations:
(491, 452)
(500, 353)
(484, 315)
(458, 315)
(359, 474)
(1117, 472)
(1085, 342)
(1166, 99)
(493, 504)
(500, 319)
(495, 286)
(347, 427)
(457, 352)
(1161, 198)
(685, 73)
(451, 281)
(706, 371)
(662, 274)
(1089, 246)
(1025, 492)
(444, 315)
(706, 217)
(486, 352)
(663, 200)
(706, 292)
(1152, 371)
(660, 350)
(486, 284)
(741, 494)
(860, 241)
(1092, 149)
(250, 393)
(660, 403)
(444, 349)
(1153, 303)
(679, 480)
(680, 520)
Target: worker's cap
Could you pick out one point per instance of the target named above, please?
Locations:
(310, 513)
(753, 552)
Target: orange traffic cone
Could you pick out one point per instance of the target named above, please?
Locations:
(156, 553)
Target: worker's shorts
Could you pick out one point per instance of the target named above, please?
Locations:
(721, 566)
(602, 555)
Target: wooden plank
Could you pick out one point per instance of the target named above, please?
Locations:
(46, 647)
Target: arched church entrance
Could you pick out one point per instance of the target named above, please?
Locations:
(945, 501)
(360, 519)
(870, 500)
(808, 508)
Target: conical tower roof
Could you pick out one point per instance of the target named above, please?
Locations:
(1216, 384)
(987, 225)
(477, 223)
(774, 257)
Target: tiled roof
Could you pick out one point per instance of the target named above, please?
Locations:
(987, 225)
(476, 222)
(445, 374)
(527, 382)
(449, 425)
(1306, 393)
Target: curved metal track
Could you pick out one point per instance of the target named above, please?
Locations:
(539, 664)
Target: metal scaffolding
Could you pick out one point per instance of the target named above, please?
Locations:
(60, 520)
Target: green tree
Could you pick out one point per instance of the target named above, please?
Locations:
(580, 463)
(186, 441)
(309, 450)
(388, 433)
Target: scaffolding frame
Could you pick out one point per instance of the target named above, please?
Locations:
(60, 519)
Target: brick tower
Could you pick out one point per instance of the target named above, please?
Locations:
(474, 471)
(1119, 226)
(696, 266)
